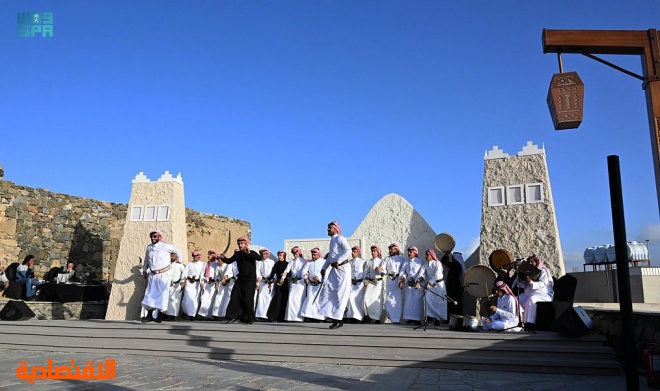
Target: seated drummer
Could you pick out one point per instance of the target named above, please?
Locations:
(540, 289)
(506, 314)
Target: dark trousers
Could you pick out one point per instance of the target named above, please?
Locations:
(241, 302)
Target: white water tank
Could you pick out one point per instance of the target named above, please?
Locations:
(640, 252)
(589, 255)
(644, 251)
(600, 254)
(611, 253)
(634, 252)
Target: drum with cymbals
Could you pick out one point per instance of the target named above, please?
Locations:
(500, 260)
(455, 322)
(470, 323)
(445, 242)
(478, 280)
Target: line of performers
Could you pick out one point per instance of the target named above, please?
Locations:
(249, 286)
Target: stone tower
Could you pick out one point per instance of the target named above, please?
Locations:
(154, 205)
(518, 213)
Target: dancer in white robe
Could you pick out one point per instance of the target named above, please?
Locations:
(155, 271)
(208, 286)
(192, 290)
(227, 282)
(436, 292)
(355, 307)
(393, 292)
(506, 315)
(412, 275)
(176, 271)
(374, 272)
(312, 273)
(296, 286)
(535, 291)
(265, 291)
(221, 294)
(336, 288)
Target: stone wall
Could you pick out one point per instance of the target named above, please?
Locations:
(646, 325)
(54, 227)
(522, 227)
(65, 311)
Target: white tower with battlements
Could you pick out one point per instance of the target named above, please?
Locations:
(154, 205)
(518, 214)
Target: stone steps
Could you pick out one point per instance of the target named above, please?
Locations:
(381, 345)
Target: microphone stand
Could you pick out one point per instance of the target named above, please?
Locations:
(425, 323)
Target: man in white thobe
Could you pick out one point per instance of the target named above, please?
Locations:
(177, 271)
(355, 307)
(227, 283)
(191, 291)
(208, 286)
(540, 290)
(222, 292)
(435, 295)
(296, 286)
(412, 275)
(333, 297)
(155, 268)
(312, 273)
(265, 292)
(393, 293)
(374, 273)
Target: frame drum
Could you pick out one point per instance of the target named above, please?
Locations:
(445, 242)
(479, 280)
(500, 259)
(526, 269)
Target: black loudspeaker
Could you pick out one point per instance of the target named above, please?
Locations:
(16, 310)
(573, 323)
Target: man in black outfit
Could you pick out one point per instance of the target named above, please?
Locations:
(454, 284)
(277, 308)
(241, 302)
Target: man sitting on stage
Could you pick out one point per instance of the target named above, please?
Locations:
(506, 314)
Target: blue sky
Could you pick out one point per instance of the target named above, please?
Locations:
(290, 114)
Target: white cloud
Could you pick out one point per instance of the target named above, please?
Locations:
(649, 232)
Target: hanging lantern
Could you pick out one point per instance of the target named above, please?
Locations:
(565, 100)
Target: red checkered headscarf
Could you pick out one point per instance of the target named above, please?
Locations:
(336, 224)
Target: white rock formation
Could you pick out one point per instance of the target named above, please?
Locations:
(393, 219)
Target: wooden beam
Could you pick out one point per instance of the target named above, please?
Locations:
(595, 41)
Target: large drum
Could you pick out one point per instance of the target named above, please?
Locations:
(445, 242)
(500, 260)
(478, 281)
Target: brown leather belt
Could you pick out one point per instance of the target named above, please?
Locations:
(343, 263)
(163, 270)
